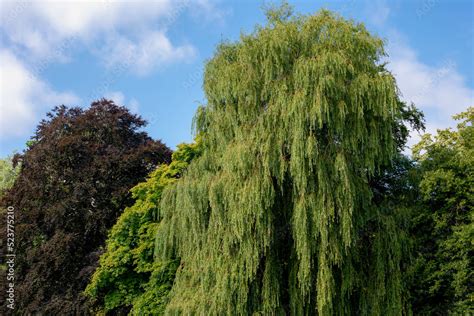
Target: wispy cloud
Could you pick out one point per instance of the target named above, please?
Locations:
(24, 97)
(439, 90)
(151, 50)
(33, 30)
(378, 12)
(119, 98)
(124, 36)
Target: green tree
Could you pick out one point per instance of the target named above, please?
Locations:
(129, 278)
(279, 214)
(444, 228)
(73, 184)
(8, 173)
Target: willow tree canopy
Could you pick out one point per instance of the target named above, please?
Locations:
(277, 215)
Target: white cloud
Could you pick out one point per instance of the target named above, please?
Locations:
(119, 98)
(152, 49)
(24, 98)
(378, 12)
(116, 96)
(210, 12)
(134, 105)
(126, 35)
(36, 29)
(439, 91)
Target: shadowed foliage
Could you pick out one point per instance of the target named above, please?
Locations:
(73, 184)
(129, 279)
(443, 228)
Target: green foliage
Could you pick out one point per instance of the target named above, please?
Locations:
(278, 215)
(295, 198)
(73, 183)
(128, 277)
(444, 229)
(277, 13)
(8, 173)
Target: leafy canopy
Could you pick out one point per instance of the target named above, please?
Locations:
(444, 229)
(129, 278)
(277, 215)
(73, 184)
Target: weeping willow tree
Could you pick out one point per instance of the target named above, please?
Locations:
(278, 215)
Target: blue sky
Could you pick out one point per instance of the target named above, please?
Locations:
(149, 56)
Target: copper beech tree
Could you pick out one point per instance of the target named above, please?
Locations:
(73, 184)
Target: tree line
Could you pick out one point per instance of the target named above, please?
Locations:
(296, 197)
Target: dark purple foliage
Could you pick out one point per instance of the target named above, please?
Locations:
(73, 184)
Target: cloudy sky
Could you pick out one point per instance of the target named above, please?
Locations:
(149, 56)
